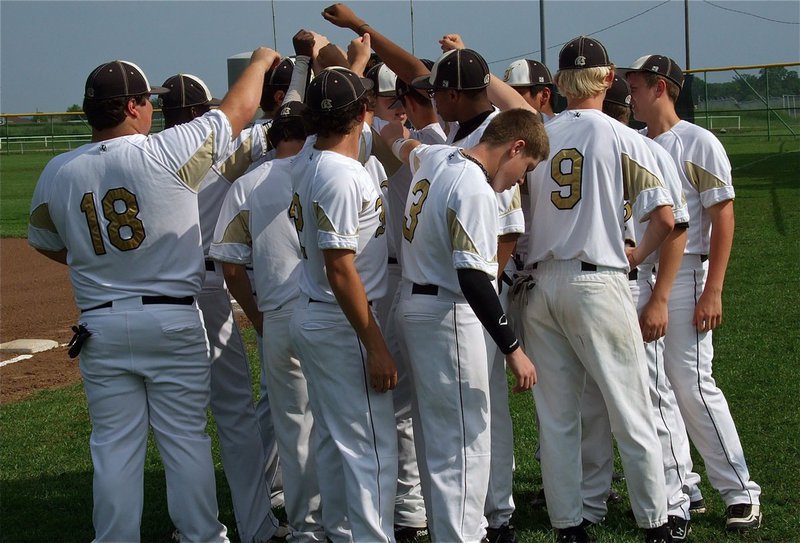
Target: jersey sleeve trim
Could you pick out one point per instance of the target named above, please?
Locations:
(195, 169)
(40, 218)
(637, 178)
(237, 162)
(238, 230)
(701, 179)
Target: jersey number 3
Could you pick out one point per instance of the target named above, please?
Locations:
(420, 190)
(566, 169)
(121, 210)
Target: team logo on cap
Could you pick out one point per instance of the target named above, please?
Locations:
(486, 79)
(654, 68)
(285, 112)
(445, 83)
(507, 75)
(326, 104)
(580, 61)
(90, 92)
(628, 100)
(541, 79)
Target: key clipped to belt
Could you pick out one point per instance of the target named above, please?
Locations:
(76, 343)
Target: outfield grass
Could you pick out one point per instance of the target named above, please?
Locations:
(45, 479)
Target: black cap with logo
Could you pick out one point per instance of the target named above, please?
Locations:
(583, 52)
(657, 64)
(335, 88)
(186, 90)
(117, 79)
(458, 69)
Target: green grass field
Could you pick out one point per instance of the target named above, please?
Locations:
(45, 467)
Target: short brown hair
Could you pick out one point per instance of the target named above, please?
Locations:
(104, 114)
(340, 121)
(651, 80)
(618, 112)
(518, 124)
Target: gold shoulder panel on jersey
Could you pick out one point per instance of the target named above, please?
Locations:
(516, 202)
(40, 218)
(384, 154)
(458, 236)
(238, 230)
(362, 149)
(235, 165)
(636, 178)
(196, 168)
(324, 224)
(701, 179)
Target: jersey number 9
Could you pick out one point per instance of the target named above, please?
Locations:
(566, 169)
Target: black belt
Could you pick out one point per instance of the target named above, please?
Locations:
(633, 275)
(150, 300)
(312, 300)
(392, 260)
(430, 290)
(703, 258)
(210, 265)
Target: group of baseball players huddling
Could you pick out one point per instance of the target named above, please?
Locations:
(378, 234)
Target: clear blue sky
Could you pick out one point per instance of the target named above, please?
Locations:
(48, 48)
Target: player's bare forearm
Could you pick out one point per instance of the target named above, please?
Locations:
(358, 53)
(660, 225)
(654, 318)
(340, 269)
(708, 311)
(400, 61)
(241, 102)
(522, 368)
(241, 289)
(505, 248)
(55, 256)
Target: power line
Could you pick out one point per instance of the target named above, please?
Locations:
(589, 34)
(750, 14)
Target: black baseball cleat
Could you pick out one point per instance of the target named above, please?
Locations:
(743, 517)
(410, 534)
(575, 534)
(660, 534)
(503, 534)
(697, 507)
(613, 498)
(679, 528)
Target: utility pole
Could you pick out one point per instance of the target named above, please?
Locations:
(686, 30)
(542, 46)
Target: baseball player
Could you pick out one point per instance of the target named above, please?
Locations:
(254, 228)
(243, 456)
(580, 319)
(449, 266)
(337, 211)
(650, 294)
(122, 213)
(695, 307)
(532, 80)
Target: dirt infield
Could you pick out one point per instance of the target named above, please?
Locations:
(36, 301)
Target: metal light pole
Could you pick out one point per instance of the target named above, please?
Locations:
(686, 30)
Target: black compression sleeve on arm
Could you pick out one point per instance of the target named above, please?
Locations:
(481, 296)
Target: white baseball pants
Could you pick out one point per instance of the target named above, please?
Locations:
(688, 356)
(148, 365)
(447, 353)
(237, 425)
(354, 428)
(293, 422)
(580, 323)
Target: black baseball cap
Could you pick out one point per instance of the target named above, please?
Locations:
(619, 93)
(527, 73)
(401, 88)
(186, 90)
(290, 111)
(335, 88)
(583, 52)
(281, 75)
(458, 69)
(657, 64)
(117, 79)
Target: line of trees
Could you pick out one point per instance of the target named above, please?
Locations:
(781, 81)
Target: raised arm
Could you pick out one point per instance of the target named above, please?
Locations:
(400, 61)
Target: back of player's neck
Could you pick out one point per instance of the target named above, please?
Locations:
(346, 145)
(592, 102)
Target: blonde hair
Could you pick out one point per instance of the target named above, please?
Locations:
(582, 83)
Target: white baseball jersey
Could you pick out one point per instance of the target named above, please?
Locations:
(254, 228)
(249, 148)
(705, 173)
(337, 205)
(450, 218)
(87, 202)
(577, 194)
(397, 190)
